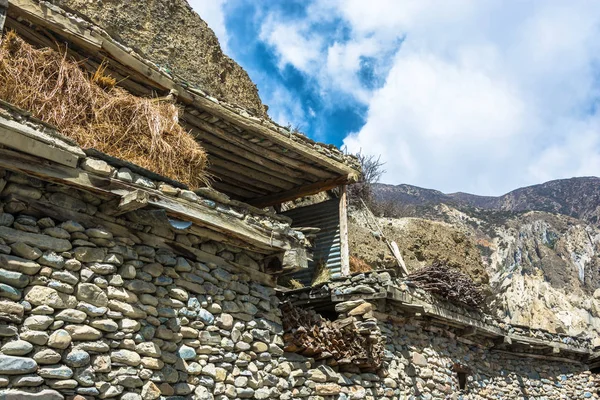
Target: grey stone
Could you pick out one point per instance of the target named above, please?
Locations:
(55, 372)
(9, 292)
(186, 352)
(11, 365)
(71, 315)
(17, 348)
(21, 249)
(39, 295)
(45, 394)
(77, 358)
(20, 265)
(92, 294)
(126, 357)
(47, 356)
(42, 242)
(98, 167)
(83, 332)
(89, 254)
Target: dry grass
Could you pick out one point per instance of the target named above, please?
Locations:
(322, 275)
(359, 265)
(288, 282)
(295, 284)
(96, 114)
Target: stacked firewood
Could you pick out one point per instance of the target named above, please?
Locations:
(448, 283)
(340, 342)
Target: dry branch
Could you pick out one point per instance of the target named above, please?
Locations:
(448, 283)
(339, 342)
(90, 110)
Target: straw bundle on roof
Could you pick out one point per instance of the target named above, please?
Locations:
(96, 114)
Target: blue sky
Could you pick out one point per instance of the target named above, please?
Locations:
(456, 95)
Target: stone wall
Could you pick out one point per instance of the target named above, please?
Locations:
(423, 361)
(90, 310)
(87, 311)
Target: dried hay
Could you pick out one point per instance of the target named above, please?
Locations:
(289, 282)
(322, 274)
(357, 264)
(96, 114)
(295, 284)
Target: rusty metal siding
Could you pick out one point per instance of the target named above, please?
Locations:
(327, 249)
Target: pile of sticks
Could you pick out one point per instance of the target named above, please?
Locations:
(449, 283)
(338, 342)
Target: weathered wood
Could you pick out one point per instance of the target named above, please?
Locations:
(344, 250)
(27, 140)
(223, 149)
(235, 143)
(539, 356)
(255, 128)
(197, 213)
(3, 7)
(292, 194)
(541, 343)
(47, 17)
(234, 191)
(255, 275)
(230, 170)
(130, 202)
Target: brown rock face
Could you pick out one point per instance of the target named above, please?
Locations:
(172, 35)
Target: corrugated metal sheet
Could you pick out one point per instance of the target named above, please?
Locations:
(325, 216)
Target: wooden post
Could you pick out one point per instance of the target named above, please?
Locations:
(344, 251)
(3, 8)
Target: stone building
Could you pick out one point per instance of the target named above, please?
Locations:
(116, 282)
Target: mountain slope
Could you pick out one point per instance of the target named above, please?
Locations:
(543, 267)
(575, 197)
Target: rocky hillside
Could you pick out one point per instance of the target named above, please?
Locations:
(575, 197)
(172, 35)
(543, 267)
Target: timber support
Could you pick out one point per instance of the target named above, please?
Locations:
(3, 8)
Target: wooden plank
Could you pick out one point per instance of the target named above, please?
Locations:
(232, 170)
(234, 191)
(542, 343)
(539, 356)
(3, 7)
(42, 15)
(344, 250)
(255, 275)
(396, 252)
(301, 191)
(27, 140)
(94, 42)
(205, 216)
(233, 143)
(279, 171)
(197, 213)
(307, 152)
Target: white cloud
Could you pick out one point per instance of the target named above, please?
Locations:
(481, 97)
(211, 11)
(489, 102)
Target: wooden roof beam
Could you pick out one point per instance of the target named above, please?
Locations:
(267, 155)
(301, 191)
(277, 170)
(307, 152)
(194, 212)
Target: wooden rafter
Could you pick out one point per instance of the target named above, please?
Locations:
(305, 190)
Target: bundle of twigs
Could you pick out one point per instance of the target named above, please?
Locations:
(448, 283)
(95, 113)
(339, 342)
